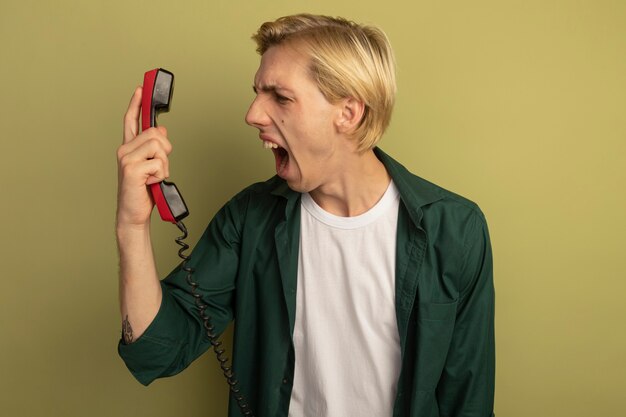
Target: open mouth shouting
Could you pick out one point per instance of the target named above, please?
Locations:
(280, 154)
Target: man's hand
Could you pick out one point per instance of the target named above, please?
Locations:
(142, 160)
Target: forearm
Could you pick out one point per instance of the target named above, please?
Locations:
(139, 286)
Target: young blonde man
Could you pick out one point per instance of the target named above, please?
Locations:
(358, 289)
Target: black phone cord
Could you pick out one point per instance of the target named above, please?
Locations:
(208, 326)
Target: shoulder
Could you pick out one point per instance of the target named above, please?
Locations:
(261, 199)
(421, 195)
(449, 211)
(452, 207)
(444, 197)
(253, 206)
(269, 190)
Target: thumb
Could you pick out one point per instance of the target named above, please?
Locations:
(162, 130)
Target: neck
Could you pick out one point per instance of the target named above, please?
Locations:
(361, 184)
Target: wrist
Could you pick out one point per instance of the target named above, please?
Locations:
(124, 230)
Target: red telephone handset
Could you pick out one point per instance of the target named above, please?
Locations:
(158, 86)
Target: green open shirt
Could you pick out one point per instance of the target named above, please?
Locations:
(246, 263)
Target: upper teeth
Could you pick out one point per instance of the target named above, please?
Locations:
(269, 145)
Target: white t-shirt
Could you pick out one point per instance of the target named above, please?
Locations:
(346, 338)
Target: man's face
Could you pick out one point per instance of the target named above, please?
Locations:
(294, 119)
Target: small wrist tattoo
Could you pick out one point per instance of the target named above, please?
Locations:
(127, 331)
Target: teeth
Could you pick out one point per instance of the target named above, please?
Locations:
(269, 145)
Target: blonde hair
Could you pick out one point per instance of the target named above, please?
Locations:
(348, 60)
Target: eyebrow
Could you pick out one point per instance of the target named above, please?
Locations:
(269, 88)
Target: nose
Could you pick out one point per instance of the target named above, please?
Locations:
(257, 116)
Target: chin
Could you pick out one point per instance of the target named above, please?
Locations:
(298, 186)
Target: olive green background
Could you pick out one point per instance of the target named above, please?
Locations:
(518, 105)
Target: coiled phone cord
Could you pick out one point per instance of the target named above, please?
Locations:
(208, 326)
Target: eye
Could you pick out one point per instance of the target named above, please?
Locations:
(281, 99)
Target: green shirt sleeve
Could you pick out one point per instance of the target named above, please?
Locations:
(160, 349)
(176, 336)
(466, 387)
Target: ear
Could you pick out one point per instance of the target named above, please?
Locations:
(351, 113)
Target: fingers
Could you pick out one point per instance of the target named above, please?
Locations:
(147, 151)
(143, 157)
(144, 172)
(136, 172)
(131, 118)
(157, 135)
(142, 160)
